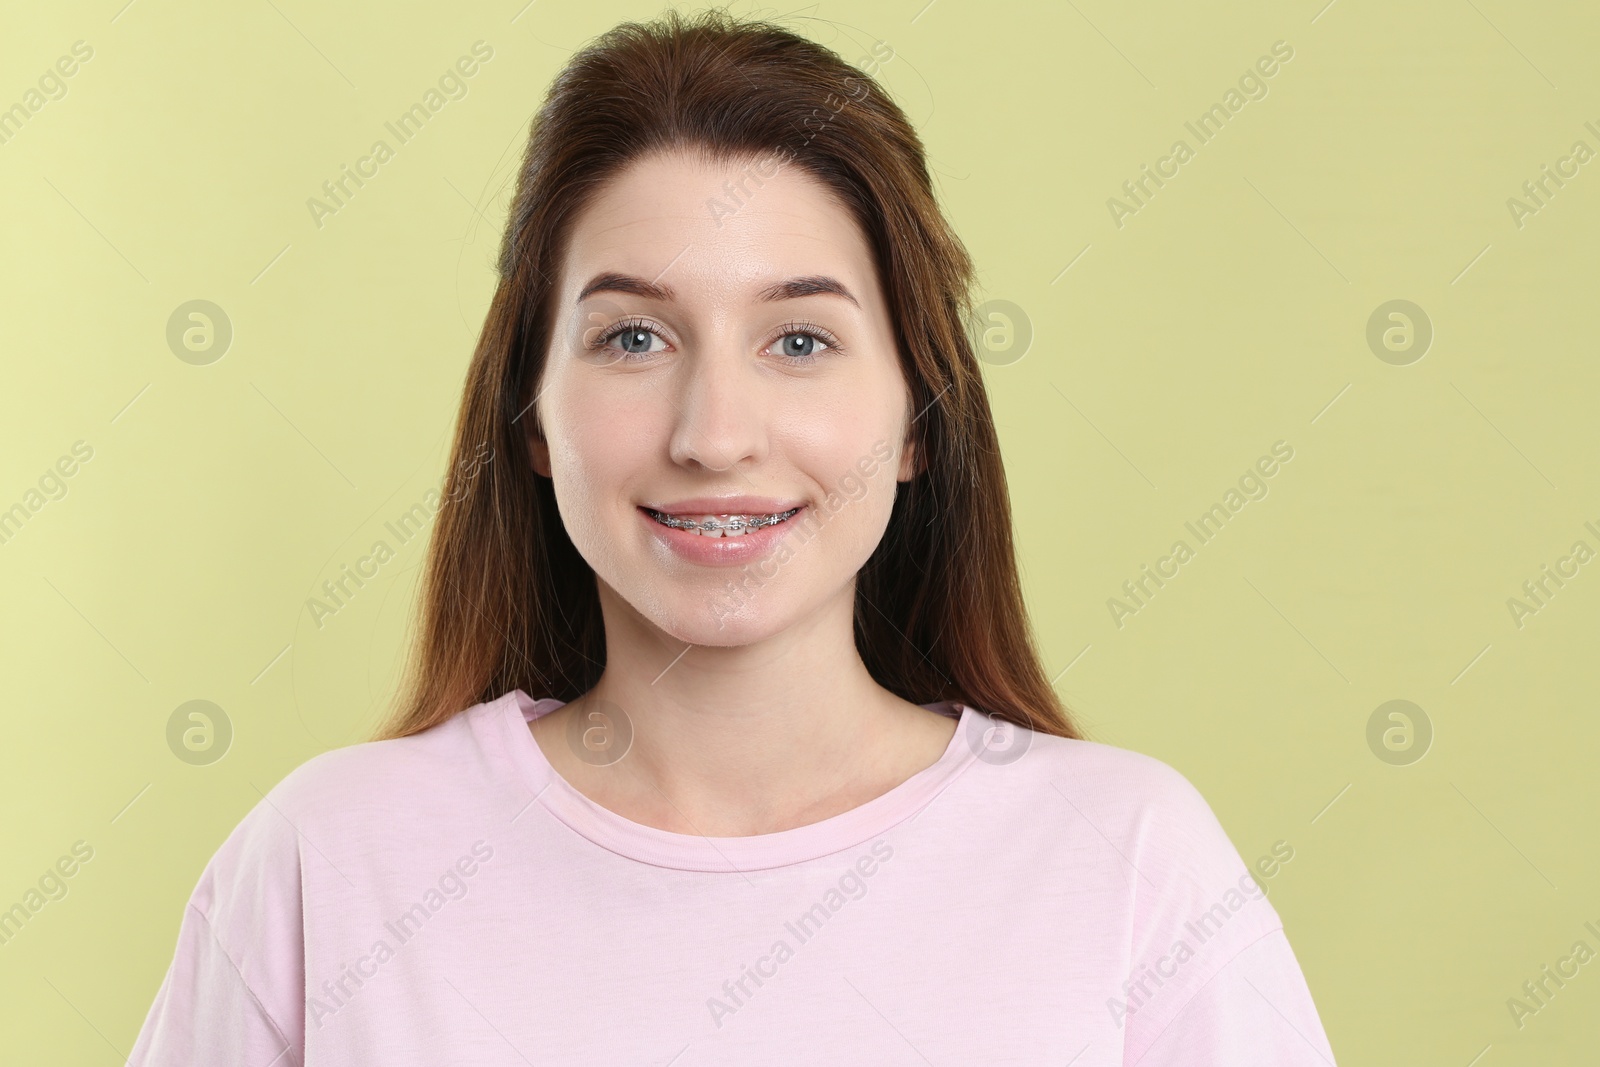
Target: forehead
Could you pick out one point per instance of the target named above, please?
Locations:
(718, 232)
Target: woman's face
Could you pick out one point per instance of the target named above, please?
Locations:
(721, 351)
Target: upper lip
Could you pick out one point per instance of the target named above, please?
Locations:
(726, 505)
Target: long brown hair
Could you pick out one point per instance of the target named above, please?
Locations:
(507, 601)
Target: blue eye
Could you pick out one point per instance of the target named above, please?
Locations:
(635, 338)
(801, 345)
(799, 342)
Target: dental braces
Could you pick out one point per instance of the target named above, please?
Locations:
(735, 523)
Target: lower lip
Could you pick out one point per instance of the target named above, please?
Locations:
(720, 551)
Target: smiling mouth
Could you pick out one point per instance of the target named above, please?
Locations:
(720, 525)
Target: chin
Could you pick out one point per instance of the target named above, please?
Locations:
(714, 622)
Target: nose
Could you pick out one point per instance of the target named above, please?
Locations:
(720, 412)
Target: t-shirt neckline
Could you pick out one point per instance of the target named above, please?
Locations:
(691, 852)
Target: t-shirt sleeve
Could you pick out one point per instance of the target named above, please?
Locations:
(234, 992)
(1257, 1010)
(205, 1012)
(1210, 978)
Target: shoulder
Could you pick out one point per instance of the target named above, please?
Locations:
(1160, 832)
(1132, 787)
(339, 802)
(377, 775)
(1187, 904)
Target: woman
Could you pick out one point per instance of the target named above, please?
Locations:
(795, 788)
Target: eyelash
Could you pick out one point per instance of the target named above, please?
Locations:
(807, 329)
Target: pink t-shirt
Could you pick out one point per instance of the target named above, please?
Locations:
(447, 898)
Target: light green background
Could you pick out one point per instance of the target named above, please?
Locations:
(1230, 312)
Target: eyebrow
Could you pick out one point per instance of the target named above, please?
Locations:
(790, 289)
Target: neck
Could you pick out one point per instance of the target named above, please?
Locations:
(745, 739)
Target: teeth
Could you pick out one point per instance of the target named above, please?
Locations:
(721, 525)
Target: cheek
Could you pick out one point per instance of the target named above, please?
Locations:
(842, 452)
(596, 449)
(834, 434)
(857, 497)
